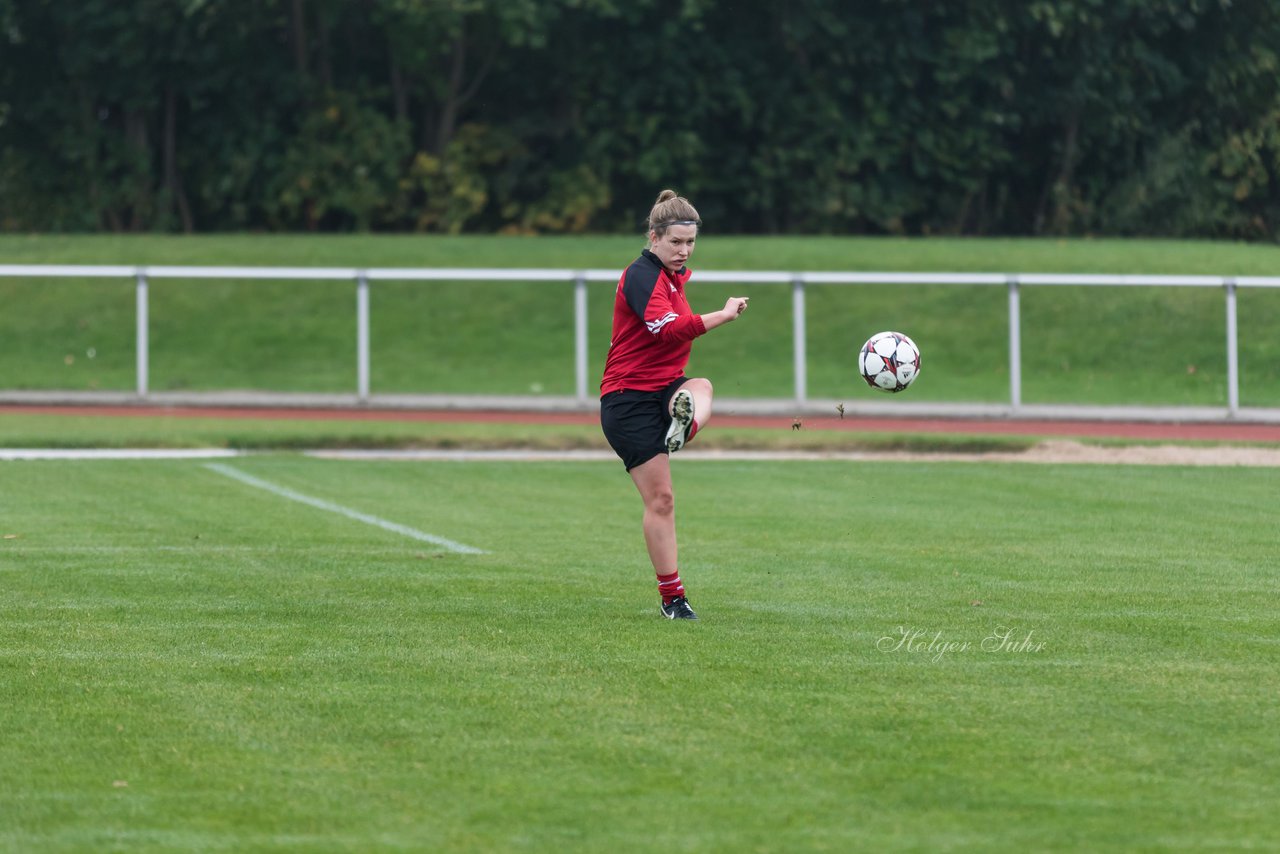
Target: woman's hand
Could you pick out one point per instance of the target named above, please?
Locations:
(734, 307)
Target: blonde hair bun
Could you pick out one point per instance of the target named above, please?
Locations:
(671, 208)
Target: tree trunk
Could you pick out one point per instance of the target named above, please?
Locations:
(135, 133)
(172, 180)
(326, 64)
(449, 109)
(962, 218)
(88, 121)
(1056, 184)
(299, 38)
(456, 96)
(1062, 187)
(399, 93)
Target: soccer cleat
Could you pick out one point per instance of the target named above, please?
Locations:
(678, 609)
(681, 421)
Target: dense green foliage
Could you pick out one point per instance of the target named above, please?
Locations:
(812, 116)
(192, 664)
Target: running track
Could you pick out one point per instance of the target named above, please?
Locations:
(1152, 431)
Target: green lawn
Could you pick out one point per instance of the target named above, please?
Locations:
(191, 663)
(155, 429)
(1081, 345)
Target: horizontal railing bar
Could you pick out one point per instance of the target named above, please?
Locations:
(316, 273)
(887, 278)
(495, 274)
(1121, 280)
(68, 270)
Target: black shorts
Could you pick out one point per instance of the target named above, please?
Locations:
(636, 422)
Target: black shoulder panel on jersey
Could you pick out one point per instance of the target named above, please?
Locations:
(637, 286)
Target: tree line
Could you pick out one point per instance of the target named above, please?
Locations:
(969, 117)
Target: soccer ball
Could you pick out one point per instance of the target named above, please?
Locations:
(889, 361)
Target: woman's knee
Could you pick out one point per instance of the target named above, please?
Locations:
(661, 502)
(700, 384)
(702, 392)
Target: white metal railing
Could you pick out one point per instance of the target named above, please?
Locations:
(363, 277)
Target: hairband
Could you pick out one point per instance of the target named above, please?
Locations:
(678, 222)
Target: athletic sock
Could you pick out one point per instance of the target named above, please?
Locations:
(693, 431)
(670, 587)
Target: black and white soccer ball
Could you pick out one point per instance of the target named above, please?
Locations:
(889, 361)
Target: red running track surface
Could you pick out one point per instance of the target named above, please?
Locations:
(1152, 431)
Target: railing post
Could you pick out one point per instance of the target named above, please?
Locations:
(798, 332)
(141, 343)
(1233, 351)
(580, 337)
(362, 336)
(1015, 346)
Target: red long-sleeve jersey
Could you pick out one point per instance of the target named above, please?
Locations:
(653, 328)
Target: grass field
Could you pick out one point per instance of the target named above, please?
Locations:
(892, 656)
(161, 430)
(1080, 345)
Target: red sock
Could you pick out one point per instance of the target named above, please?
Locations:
(693, 431)
(670, 587)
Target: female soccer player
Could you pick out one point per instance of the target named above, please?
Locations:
(648, 408)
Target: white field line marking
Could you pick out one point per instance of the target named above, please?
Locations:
(320, 504)
(462, 455)
(116, 453)
(1054, 452)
